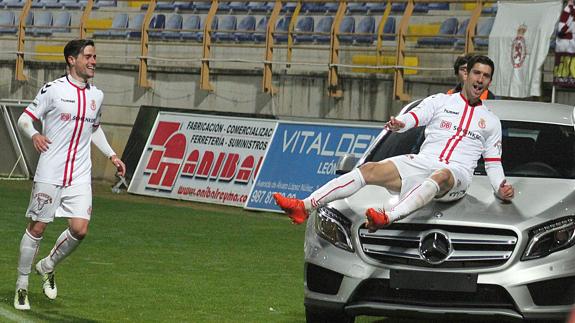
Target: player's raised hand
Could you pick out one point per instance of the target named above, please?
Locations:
(505, 191)
(120, 166)
(41, 142)
(394, 125)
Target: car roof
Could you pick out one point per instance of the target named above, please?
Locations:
(529, 111)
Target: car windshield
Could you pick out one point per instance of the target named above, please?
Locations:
(529, 149)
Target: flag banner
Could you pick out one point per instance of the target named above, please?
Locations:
(194, 157)
(518, 45)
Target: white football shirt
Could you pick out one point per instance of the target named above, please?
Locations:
(68, 114)
(458, 133)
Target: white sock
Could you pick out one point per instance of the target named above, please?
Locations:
(337, 188)
(28, 248)
(418, 197)
(64, 246)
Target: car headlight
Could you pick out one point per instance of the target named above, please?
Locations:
(550, 237)
(334, 227)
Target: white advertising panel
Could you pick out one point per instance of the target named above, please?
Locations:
(195, 157)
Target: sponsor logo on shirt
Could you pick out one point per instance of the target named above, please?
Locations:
(91, 120)
(445, 124)
(65, 116)
(450, 112)
(68, 100)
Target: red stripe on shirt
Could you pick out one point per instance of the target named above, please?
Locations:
(459, 128)
(460, 136)
(31, 115)
(414, 117)
(83, 93)
(490, 160)
(72, 140)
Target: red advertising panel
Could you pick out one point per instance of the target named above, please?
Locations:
(194, 157)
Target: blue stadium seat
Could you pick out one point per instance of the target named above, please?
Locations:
(41, 24)
(62, 22)
(226, 29)
(323, 26)
(389, 28)
(135, 26)
(484, 29)
(331, 7)
(200, 34)
(157, 25)
(105, 3)
(375, 7)
(70, 4)
(438, 6)
(448, 27)
(281, 29)
(261, 29)
(289, 7)
(119, 24)
(245, 29)
(172, 28)
(421, 8)
(7, 22)
(29, 19)
(12, 3)
(347, 26)
(461, 33)
(357, 7)
(304, 25)
(224, 6)
(202, 6)
(238, 6)
(46, 4)
(260, 6)
(398, 7)
(190, 29)
(365, 31)
(160, 5)
(312, 7)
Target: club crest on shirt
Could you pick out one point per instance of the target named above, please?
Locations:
(42, 199)
(445, 124)
(65, 116)
(93, 105)
(482, 123)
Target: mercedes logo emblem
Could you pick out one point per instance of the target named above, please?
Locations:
(435, 247)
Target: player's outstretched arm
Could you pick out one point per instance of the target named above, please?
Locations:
(394, 124)
(505, 191)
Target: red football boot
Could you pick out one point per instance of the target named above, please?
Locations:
(294, 208)
(376, 219)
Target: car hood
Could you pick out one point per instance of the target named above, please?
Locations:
(536, 200)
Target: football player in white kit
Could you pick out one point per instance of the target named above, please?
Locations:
(459, 130)
(69, 109)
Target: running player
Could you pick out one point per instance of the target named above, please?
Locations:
(69, 109)
(459, 130)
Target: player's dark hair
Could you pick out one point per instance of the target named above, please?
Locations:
(461, 60)
(75, 47)
(482, 59)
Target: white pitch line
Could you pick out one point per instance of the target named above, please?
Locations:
(13, 317)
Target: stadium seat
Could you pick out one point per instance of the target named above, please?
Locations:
(323, 30)
(389, 28)
(119, 23)
(46, 4)
(448, 27)
(134, 26)
(346, 29)
(238, 6)
(372, 7)
(70, 4)
(172, 28)
(261, 29)
(289, 7)
(398, 7)
(461, 33)
(365, 31)
(190, 29)
(41, 24)
(200, 34)
(245, 29)
(260, 6)
(105, 3)
(490, 10)
(157, 25)
(484, 29)
(7, 22)
(357, 7)
(226, 29)
(420, 8)
(160, 5)
(12, 3)
(438, 6)
(62, 22)
(312, 7)
(281, 29)
(28, 22)
(202, 6)
(304, 25)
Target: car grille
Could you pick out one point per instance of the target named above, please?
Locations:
(470, 247)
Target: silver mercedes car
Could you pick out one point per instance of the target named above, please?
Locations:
(474, 258)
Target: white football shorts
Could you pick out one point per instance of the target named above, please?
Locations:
(414, 169)
(48, 201)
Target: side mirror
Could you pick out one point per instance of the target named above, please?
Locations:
(345, 164)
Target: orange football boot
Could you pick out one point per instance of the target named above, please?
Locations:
(376, 219)
(294, 208)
